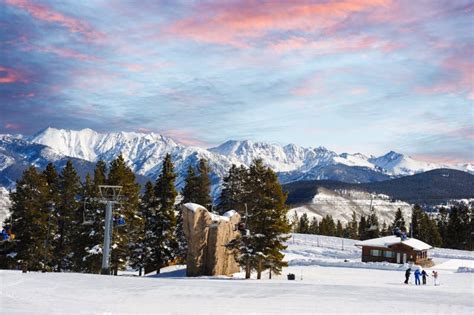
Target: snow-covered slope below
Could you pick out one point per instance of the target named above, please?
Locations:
(317, 262)
(341, 204)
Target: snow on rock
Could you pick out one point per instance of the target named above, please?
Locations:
(144, 153)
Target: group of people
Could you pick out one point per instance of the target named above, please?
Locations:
(421, 274)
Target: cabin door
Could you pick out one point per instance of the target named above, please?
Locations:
(404, 258)
(398, 258)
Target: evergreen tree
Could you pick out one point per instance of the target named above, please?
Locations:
(459, 227)
(363, 228)
(399, 221)
(339, 229)
(303, 224)
(52, 179)
(327, 226)
(30, 210)
(87, 246)
(416, 216)
(91, 237)
(372, 225)
(190, 192)
(141, 252)
(67, 212)
(314, 226)
(203, 185)
(267, 223)
(124, 237)
(164, 225)
(234, 192)
(352, 227)
(442, 222)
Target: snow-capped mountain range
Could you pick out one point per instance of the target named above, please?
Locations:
(144, 153)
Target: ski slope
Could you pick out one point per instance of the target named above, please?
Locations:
(319, 288)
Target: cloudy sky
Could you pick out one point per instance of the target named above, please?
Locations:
(356, 76)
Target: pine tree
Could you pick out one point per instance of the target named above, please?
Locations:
(372, 225)
(124, 237)
(52, 179)
(234, 192)
(164, 225)
(267, 223)
(314, 226)
(87, 247)
(459, 227)
(339, 229)
(363, 228)
(203, 185)
(399, 221)
(189, 192)
(327, 226)
(442, 222)
(303, 224)
(352, 227)
(90, 240)
(30, 211)
(141, 251)
(416, 216)
(67, 212)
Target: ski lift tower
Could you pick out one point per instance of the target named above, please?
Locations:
(109, 195)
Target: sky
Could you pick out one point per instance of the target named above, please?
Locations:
(354, 76)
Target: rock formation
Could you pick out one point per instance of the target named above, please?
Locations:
(207, 234)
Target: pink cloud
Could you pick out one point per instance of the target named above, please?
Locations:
(331, 45)
(309, 86)
(61, 52)
(237, 24)
(12, 126)
(459, 78)
(47, 14)
(185, 137)
(9, 75)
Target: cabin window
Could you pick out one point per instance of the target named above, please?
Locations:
(375, 252)
(388, 254)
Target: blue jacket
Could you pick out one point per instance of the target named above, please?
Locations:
(417, 273)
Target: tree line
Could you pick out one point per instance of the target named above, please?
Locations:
(58, 221)
(449, 228)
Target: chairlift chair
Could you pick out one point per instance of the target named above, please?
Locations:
(86, 220)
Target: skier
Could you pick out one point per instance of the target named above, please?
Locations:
(424, 275)
(435, 277)
(407, 275)
(417, 276)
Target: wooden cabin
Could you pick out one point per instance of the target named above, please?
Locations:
(395, 250)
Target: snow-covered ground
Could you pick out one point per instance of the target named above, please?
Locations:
(319, 287)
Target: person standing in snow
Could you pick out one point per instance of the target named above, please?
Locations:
(407, 275)
(435, 277)
(417, 276)
(423, 276)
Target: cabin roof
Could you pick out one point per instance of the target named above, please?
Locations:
(388, 241)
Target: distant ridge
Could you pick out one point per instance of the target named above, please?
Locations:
(432, 187)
